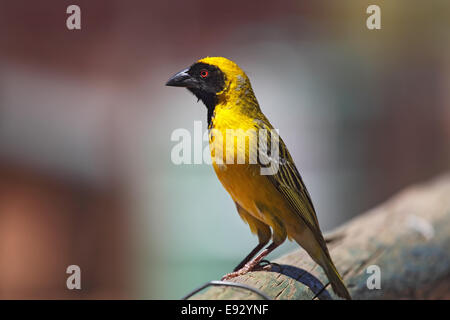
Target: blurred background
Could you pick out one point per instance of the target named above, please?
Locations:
(86, 176)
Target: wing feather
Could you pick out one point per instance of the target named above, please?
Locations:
(287, 180)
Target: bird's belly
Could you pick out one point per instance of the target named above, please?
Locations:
(253, 192)
(240, 182)
(249, 188)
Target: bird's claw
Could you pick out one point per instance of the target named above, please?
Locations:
(261, 265)
(230, 276)
(248, 267)
(266, 265)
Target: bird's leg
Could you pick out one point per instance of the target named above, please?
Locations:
(249, 256)
(252, 264)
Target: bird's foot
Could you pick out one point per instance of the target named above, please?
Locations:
(251, 266)
(232, 275)
(237, 273)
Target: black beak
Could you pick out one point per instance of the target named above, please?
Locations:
(182, 79)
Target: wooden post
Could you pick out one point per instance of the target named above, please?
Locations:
(406, 239)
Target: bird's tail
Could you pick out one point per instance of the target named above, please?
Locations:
(315, 245)
(333, 275)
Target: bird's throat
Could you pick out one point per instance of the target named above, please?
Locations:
(209, 99)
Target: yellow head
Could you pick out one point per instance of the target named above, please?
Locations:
(213, 80)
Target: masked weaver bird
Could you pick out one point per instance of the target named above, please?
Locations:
(275, 206)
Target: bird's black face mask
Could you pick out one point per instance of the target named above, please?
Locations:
(204, 81)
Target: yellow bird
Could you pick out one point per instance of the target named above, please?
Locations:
(275, 205)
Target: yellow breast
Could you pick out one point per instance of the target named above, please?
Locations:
(233, 144)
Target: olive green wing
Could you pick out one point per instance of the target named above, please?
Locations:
(286, 178)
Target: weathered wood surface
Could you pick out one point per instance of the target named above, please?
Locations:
(407, 237)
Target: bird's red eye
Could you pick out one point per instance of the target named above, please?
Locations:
(204, 73)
